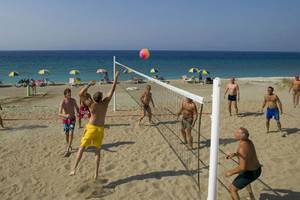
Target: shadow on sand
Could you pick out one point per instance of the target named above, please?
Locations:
(151, 175)
(222, 141)
(285, 195)
(254, 114)
(106, 147)
(290, 131)
(26, 127)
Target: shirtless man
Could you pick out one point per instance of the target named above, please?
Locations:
(188, 110)
(83, 109)
(249, 168)
(1, 122)
(273, 102)
(233, 95)
(145, 99)
(67, 112)
(296, 90)
(94, 131)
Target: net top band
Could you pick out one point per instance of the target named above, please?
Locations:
(179, 91)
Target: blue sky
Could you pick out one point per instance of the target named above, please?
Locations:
(256, 25)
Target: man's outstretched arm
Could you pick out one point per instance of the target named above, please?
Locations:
(85, 88)
(112, 90)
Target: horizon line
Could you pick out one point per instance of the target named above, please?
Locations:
(185, 50)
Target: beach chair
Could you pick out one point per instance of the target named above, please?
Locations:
(208, 80)
(74, 82)
(105, 80)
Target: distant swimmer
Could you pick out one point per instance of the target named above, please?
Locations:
(295, 86)
(94, 130)
(188, 109)
(145, 99)
(273, 102)
(83, 109)
(1, 121)
(67, 111)
(233, 95)
(249, 168)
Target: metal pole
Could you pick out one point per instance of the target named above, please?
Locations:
(114, 71)
(214, 144)
(198, 149)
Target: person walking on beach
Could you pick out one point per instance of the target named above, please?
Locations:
(296, 90)
(233, 94)
(145, 99)
(1, 121)
(188, 109)
(273, 102)
(249, 168)
(84, 109)
(94, 131)
(67, 112)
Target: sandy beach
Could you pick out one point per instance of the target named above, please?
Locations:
(136, 162)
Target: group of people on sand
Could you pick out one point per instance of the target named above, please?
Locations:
(249, 168)
(95, 108)
(271, 100)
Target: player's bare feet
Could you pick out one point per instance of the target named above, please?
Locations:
(95, 176)
(72, 173)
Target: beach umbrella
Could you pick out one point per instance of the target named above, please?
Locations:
(74, 72)
(43, 72)
(101, 71)
(153, 70)
(13, 74)
(205, 72)
(127, 71)
(194, 70)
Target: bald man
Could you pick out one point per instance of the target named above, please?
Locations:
(249, 168)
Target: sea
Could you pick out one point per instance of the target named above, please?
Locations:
(170, 64)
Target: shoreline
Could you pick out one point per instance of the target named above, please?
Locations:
(255, 79)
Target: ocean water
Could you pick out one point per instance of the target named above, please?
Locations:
(171, 64)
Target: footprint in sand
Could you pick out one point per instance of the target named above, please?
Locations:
(109, 167)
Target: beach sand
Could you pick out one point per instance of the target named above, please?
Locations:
(136, 162)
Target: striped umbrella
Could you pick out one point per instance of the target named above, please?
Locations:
(101, 71)
(74, 72)
(194, 70)
(204, 72)
(43, 72)
(153, 70)
(13, 74)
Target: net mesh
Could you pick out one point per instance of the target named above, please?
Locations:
(167, 105)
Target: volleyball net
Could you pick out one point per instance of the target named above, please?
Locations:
(167, 100)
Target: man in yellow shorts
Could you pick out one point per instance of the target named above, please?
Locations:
(94, 131)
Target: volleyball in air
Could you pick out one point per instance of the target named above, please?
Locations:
(144, 54)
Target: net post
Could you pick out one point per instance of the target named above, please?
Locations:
(198, 148)
(213, 160)
(114, 75)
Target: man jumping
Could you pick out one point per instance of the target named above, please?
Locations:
(94, 131)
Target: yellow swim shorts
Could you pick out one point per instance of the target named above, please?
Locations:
(93, 136)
